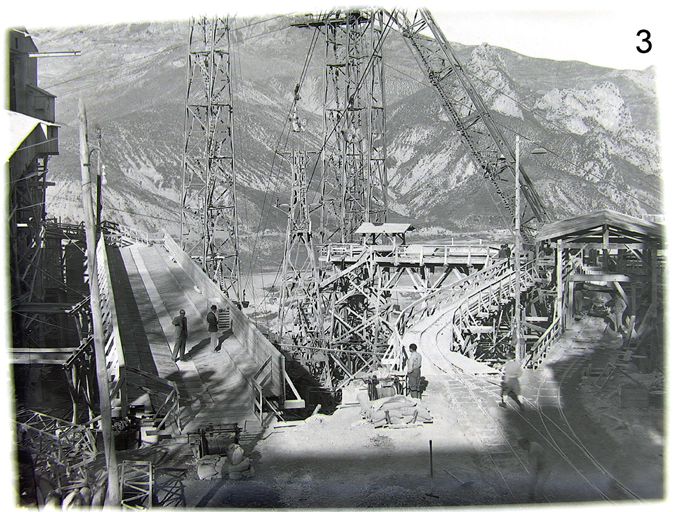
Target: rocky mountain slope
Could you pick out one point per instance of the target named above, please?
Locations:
(599, 124)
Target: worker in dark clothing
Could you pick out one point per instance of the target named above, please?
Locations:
(212, 320)
(180, 323)
(504, 253)
(538, 466)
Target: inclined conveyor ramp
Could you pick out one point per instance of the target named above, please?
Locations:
(152, 282)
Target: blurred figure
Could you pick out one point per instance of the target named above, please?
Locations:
(538, 466)
(512, 371)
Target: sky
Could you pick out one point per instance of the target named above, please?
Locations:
(601, 32)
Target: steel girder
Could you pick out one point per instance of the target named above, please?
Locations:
(136, 484)
(208, 216)
(300, 316)
(60, 448)
(466, 109)
(333, 313)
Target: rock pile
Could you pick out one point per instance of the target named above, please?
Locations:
(233, 465)
(394, 411)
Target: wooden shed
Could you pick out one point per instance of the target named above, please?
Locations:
(620, 255)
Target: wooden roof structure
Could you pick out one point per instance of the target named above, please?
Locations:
(386, 228)
(602, 228)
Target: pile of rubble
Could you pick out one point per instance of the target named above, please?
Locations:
(233, 465)
(386, 408)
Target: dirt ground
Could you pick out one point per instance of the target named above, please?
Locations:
(341, 461)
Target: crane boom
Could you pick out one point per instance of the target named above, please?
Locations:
(466, 108)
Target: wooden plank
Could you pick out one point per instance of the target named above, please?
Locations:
(44, 307)
(41, 355)
(599, 277)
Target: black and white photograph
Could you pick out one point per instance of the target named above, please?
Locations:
(316, 255)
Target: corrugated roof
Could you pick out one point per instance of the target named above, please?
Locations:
(20, 126)
(387, 228)
(583, 223)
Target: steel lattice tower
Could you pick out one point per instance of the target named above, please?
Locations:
(208, 218)
(334, 332)
(354, 172)
(301, 303)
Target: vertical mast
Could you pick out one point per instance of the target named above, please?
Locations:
(208, 216)
(354, 172)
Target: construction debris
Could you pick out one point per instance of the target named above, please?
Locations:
(396, 411)
(233, 465)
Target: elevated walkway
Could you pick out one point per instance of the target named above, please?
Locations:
(150, 288)
(432, 321)
(433, 337)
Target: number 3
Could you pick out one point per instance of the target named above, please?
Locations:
(646, 39)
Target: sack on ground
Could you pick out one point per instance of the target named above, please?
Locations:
(235, 454)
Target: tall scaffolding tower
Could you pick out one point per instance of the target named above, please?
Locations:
(208, 216)
(301, 310)
(354, 181)
(330, 329)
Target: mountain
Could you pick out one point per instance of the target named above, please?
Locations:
(600, 125)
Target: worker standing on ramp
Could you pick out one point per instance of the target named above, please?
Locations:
(413, 373)
(512, 371)
(212, 320)
(180, 323)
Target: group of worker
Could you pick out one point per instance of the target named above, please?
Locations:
(539, 467)
(180, 324)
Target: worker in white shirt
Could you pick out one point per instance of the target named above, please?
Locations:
(512, 371)
(413, 371)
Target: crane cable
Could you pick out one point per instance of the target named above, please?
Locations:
(287, 128)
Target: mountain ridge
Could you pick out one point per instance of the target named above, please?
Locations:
(601, 124)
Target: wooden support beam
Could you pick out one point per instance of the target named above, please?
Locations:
(610, 278)
(595, 245)
(48, 308)
(479, 329)
(559, 306)
(41, 355)
(622, 293)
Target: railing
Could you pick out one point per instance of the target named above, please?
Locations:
(466, 297)
(113, 350)
(113, 229)
(415, 253)
(327, 252)
(496, 291)
(65, 230)
(539, 350)
(258, 384)
(445, 254)
(427, 306)
(260, 400)
(169, 410)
